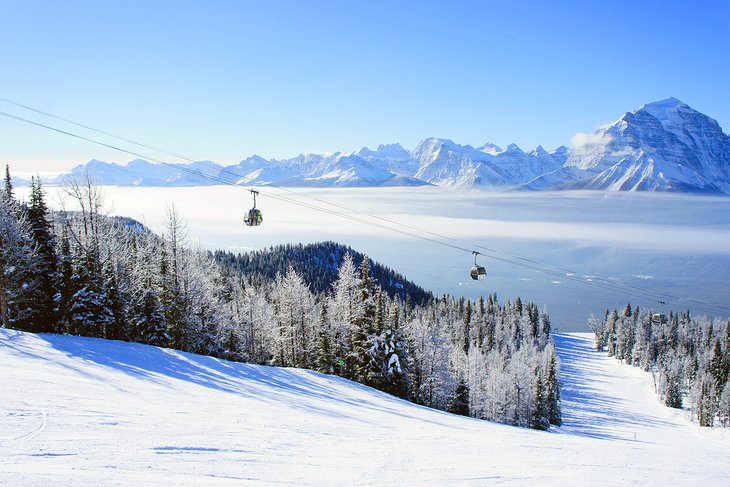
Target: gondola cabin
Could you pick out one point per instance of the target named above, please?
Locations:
(478, 272)
(253, 217)
(659, 318)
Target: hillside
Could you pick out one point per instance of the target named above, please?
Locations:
(317, 263)
(87, 411)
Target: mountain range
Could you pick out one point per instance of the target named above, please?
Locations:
(661, 146)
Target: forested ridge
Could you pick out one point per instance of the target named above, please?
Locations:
(80, 272)
(688, 356)
(317, 263)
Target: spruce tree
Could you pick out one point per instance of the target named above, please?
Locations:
(553, 393)
(467, 327)
(171, 300)
(43, 317)
(115, 329)
(8, 184)
(719, 368)
(396, 380)
(66, 287)
(17, 265)
(89, 313)
(359, 362)
(460, 402)
(539, 419)
(325, 357)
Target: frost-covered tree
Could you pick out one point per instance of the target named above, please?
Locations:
(18, 255)
(345, 308)
(296, 337)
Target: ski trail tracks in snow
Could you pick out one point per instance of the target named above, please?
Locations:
(605, 399)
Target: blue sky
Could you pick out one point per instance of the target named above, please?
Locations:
(222, 80)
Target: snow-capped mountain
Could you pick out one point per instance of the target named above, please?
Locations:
(661, 146)
(143, 173)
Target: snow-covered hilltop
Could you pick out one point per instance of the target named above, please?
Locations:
(661, 146)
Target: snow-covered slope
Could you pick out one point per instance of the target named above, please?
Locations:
(80, 411)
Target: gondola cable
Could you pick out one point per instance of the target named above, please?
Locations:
(522, 261)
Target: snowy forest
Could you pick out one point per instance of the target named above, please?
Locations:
(78, 271)
(688, 356)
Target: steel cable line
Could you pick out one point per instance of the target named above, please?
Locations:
(526, 262)
(399, 224)
(607, 285)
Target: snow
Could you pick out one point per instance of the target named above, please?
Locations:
(80, 411)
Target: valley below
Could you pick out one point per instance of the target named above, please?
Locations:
(577, 252)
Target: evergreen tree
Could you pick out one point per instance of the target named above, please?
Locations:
(149, 318)
(325, 357)
(553, 393)
(42, 317)
(363, 337)
(66, 288)
(89, 313)
(719, 368)
(673, 397)
(8, 184)
(539, 419)
(396, 380)
(115, 330)
(17, 265)
(460, 401)
(467, 327)
(171, 301)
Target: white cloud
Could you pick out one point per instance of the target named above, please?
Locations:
(581, 141)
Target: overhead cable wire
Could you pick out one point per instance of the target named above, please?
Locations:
(440, 239)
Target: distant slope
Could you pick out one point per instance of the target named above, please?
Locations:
(317, 263)
(81, 411)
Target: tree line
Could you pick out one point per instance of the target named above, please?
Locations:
(80, 272)
(688, 356)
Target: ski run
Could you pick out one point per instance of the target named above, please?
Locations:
(84, 411)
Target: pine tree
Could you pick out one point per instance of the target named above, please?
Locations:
(539, 419)
(149, 319)
(460, 401)
(363, 336)
(673, 397)
(42, 317)
(396, 381)
(467, 327)
(553, 393)
(17, 265)
(171, 301)
(8, 184)
(115, 330)
(89, 313)
(719, 368)
(325, 357)
(66, 288)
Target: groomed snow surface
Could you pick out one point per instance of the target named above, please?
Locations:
(80, 411)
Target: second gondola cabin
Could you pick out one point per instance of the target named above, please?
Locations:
(253, 217)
